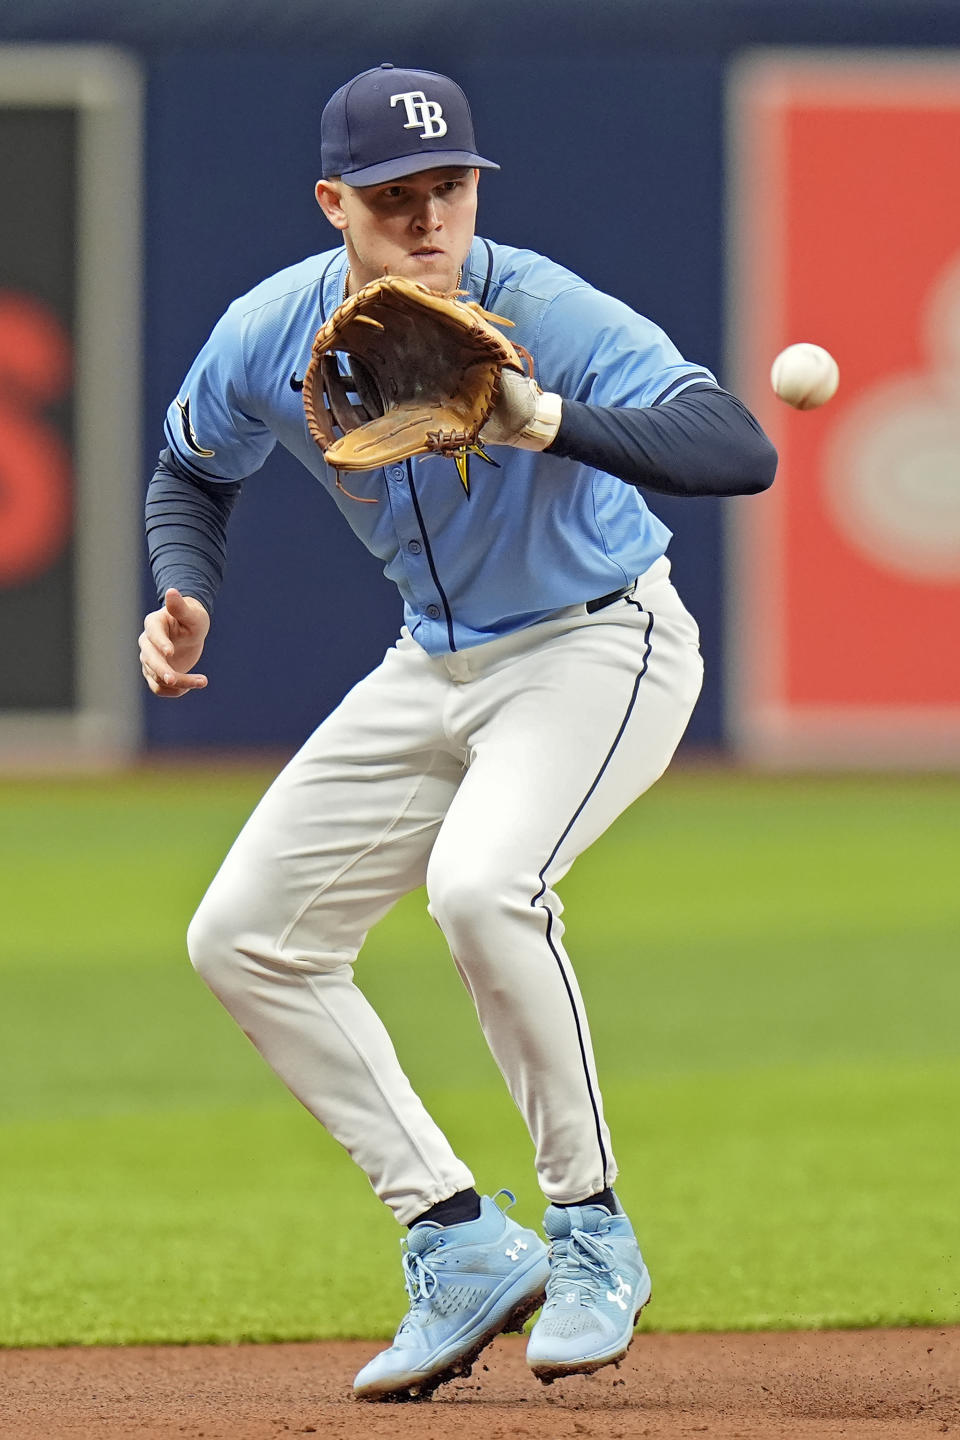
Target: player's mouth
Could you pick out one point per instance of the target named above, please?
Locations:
(427, 252)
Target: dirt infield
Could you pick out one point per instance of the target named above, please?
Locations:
(880, 1384)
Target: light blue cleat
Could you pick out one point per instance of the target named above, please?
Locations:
(467, 1284)
(598, 1285)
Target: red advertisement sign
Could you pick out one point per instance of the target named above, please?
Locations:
(35, 464)
(845, 577)
(70, 297)
(38, 303)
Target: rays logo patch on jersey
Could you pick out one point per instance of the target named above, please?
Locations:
(461, 459)
(189, 434)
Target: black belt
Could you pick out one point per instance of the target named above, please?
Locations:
(601, 603)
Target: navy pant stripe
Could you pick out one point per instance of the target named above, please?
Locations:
(648, 645)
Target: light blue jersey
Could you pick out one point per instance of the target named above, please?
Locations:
(537, 532)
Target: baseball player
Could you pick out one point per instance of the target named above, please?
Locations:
(544, 674)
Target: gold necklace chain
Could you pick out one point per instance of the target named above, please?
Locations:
(346, 281)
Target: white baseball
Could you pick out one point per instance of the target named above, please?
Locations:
(805, 376)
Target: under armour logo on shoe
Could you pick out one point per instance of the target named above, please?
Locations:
(623, 1289)
(513, 1252)
(423, 113)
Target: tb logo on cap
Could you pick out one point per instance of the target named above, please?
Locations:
(423, 113)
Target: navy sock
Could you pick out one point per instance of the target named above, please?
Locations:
(465, 1205)
(603, 1197)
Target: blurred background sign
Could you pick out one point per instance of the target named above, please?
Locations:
(69, 402)
(828, 632)
(845, 578)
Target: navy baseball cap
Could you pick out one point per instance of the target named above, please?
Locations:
(385, 123)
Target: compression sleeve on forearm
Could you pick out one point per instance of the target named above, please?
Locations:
(705, 442)
(186, 523)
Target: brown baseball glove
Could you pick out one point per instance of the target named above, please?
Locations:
(424, 369)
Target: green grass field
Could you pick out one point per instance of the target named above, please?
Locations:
(771, 969)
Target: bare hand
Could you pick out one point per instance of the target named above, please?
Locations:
(172, 643)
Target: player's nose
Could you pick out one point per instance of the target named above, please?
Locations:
(429, 217)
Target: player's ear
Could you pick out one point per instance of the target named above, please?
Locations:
(329, 198)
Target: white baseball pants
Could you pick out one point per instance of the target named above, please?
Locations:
(484, 773)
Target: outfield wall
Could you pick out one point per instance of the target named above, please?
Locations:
(611, 136)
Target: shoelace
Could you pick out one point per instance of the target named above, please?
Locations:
(418, 1278)
(582, 1263)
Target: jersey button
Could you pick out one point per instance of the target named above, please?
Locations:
(434, 612)
(414, 547)
(396, 473)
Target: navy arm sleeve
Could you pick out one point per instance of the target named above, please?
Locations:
(186, 523)
(705, 442)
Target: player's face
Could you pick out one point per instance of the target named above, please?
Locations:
(420, 227)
